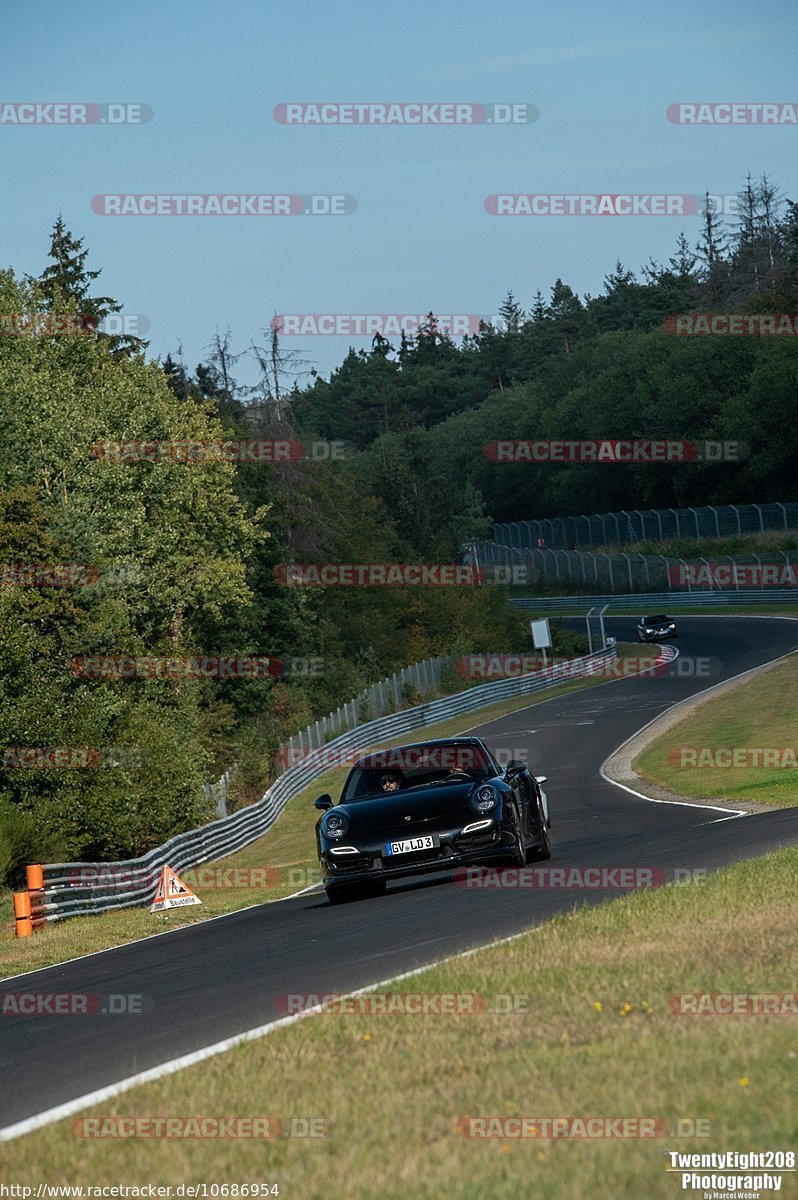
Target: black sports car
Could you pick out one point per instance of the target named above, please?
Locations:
(654, 629)
(428, 807)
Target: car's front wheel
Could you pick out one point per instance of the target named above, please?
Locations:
(518, 852)
(542, 851)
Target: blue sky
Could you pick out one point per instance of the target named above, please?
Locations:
(602, 76)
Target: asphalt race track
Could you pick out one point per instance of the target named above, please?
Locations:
(213, 981)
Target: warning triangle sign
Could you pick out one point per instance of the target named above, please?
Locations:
(172, 892)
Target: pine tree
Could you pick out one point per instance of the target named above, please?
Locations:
(65, 285)
(684, 260)
(537, 312)
(177, 377)
(511, 313)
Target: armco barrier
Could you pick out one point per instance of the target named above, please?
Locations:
(649, 602)
(81, 889)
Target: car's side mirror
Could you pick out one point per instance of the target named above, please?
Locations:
(514, 767)
(323, 802)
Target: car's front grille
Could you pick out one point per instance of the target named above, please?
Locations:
(348, 862)
(474, 842)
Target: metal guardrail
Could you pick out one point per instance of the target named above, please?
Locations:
(648, 524)
(647, 602)
(81, 889)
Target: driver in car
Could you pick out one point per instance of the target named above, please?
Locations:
(389, 783)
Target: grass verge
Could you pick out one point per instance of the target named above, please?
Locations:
(281, 862)
(598, 1038)
(757, 715)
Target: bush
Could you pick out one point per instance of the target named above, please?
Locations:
(22, 841)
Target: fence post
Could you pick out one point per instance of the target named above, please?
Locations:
(667, 572)
(629, 567)
(645, 564)
(686, 574)
(784, 514)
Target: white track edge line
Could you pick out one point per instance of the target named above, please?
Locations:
(706, 691)
(69, 1107)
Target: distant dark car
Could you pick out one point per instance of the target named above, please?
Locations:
(654, 629)
(429, 806)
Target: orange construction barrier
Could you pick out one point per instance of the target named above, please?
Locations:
(22, 914)
(35, 878)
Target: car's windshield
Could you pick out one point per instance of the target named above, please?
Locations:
(659, 620)
(391, 771)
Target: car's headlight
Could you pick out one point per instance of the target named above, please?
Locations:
(334, 824)
(484, 798)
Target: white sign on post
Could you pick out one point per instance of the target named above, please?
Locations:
(541, 635)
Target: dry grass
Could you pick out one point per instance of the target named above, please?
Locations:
(761, 713)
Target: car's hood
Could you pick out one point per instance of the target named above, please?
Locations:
(419, 804)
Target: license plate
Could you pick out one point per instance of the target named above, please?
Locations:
(408, 845)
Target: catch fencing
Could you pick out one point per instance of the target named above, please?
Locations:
(592, 572)
(81, 889)
(376, 701)
(386, 696)
(652, 524)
